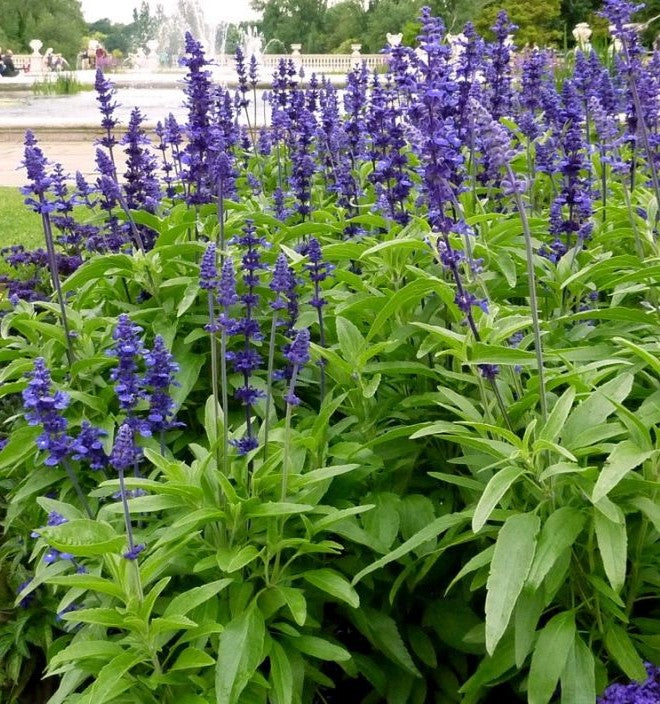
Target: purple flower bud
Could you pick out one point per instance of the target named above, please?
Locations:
(124, 452)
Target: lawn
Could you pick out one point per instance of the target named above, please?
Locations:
(18, 224)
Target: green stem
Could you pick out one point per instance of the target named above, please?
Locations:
(287, 438)
(78, 489)
(269, 380)
(214, 379)
(529, 255)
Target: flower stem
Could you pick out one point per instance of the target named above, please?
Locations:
(78, 489)
(214, 377)
(529, 255)
(269, 380)
(55, 277)
(287, 437)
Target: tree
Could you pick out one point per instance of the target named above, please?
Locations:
(113, 36)
(345, 24)
(58, 23)
(386, 16)
(293, 22)
(145, 25)
(538, 22)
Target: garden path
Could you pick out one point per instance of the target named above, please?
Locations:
(73, 155)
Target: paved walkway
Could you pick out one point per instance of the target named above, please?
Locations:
(73, 154)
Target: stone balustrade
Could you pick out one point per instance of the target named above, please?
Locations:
(314, 63)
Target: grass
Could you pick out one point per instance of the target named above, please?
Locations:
(18, 224)
(64, 84)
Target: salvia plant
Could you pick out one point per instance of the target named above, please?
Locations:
(343, 394)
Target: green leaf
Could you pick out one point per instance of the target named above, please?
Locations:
(233, 559)
(529, 608)
(475, 563)
(188, 297)
(85, 649)
(273, 508)
(192, 598)
(351, 342)
(109, 675)
(190, 366)
(88, 581)
(111, 618)
(320, 648)
(296, 603)
(612, 544)
(333, 583)
(620, 647)
(650, 359)
(383, 633)
(649, 508)
(512, 559)
(320, 475)
(553, 426)
(498, 485)
(240, 652)
(595, 409)
(558, 533)
(192, 659)
(22, 444)
(624, 457)
(483, 353)
(281, 674)
(549, 658)
(84, 537)
(578, 680)
(409, 294)
(99, 267)
(427, 533)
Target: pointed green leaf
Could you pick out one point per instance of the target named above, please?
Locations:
(333, 583)
(514, 552)
(240, 652)
(624, 457)
(622, 650)
(595, 409)
(558, 533)
(529, 608)
(281, 674)
(578, 680)
(549, 658)
(192, 659)
(498, 485)
(552, 428)
(434, 529)
(612, 545)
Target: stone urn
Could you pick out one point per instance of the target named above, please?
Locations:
(36, 59)
(394, 40)
(582, 33)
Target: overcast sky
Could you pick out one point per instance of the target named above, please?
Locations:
(122, 10)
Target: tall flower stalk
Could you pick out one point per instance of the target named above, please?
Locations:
(496, 142)
(35, 192)
(123, 456)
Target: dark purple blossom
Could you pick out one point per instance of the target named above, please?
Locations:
(158, 378)
(133, 552)
(124, 451)
(43, 407)
(128, 349)
(88, 446)
(647, 692)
